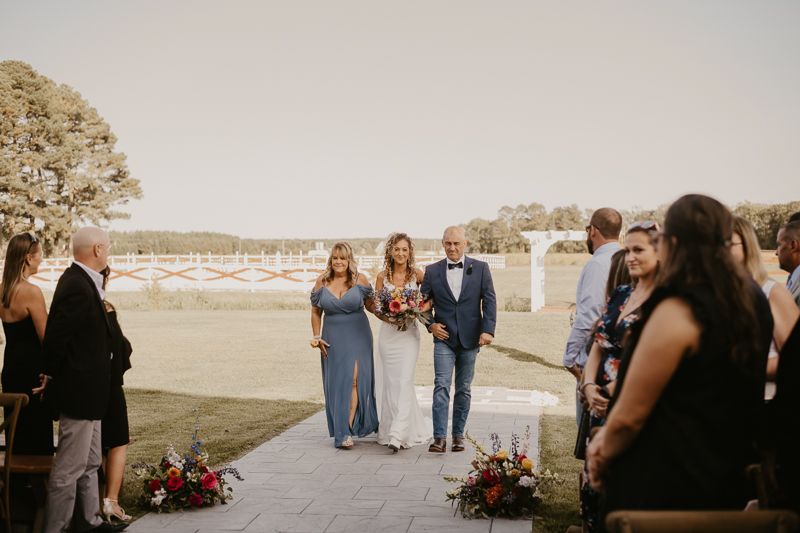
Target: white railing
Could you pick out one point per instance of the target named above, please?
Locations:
(221, 272)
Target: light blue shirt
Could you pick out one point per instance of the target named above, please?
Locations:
(589, 302)
(793, 278)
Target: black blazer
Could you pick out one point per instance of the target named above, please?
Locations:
(77, 348)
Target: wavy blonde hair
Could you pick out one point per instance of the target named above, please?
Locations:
(752, 251)
(352, 265)
(388, 259)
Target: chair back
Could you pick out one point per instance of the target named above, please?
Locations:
(9, 425)
(703, 522)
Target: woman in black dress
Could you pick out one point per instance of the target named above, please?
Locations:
(679, 432)
(114, 427)
(24, 317)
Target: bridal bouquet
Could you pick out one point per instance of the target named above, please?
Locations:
(500, 484)
(401, 306)
(183, 481)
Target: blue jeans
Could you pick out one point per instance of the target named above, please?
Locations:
(444, 361)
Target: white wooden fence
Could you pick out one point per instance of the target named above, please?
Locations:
(221, 272)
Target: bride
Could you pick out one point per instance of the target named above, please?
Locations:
(401, 422)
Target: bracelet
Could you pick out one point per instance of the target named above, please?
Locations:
(583, 387)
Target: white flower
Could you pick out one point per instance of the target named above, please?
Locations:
(527, 481)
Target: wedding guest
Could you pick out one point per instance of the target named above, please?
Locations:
(745, 249)
(621, 311)
(345, 345)
(114, 427)
(24, 316)
(680, 427)
(788, 253)
(602, 239)
(77, 356)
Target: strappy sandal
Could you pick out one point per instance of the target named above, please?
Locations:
(110, 515)
(347, 443)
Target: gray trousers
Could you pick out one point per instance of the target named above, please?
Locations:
(73, 480)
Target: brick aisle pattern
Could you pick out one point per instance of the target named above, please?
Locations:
(298, 482)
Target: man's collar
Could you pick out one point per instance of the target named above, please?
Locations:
(96, 277)
(449, 262)
(613, 245)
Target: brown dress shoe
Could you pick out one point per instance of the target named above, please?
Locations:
(458, 444)
(439, 445)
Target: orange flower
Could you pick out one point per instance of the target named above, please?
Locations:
(172, 472)
(494, 495)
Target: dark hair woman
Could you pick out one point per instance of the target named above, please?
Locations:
(678, 435)
(622, 310)
(114, 427)
(24, 317)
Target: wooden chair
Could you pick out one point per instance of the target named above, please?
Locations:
(703, 522)
(37, 467)
(17, 402)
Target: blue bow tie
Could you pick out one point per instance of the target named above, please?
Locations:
(451, 266)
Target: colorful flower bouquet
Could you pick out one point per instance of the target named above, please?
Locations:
(180, 482)
(500, 484)
(401, 306)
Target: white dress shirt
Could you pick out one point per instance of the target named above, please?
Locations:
(97, 278)
(455, 276)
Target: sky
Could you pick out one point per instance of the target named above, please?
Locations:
(337, 119)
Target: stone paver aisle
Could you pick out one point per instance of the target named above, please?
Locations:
(298, 482)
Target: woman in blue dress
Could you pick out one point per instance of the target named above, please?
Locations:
(345, 345)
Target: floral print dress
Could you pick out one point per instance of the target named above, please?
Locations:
(609, 336)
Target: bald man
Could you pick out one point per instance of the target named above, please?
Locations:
(77, 358)
(464, 318)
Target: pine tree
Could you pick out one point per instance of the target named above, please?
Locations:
(58, 165)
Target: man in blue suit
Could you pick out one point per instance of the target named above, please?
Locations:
(464, 318)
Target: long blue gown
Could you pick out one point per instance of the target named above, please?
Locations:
(346, 329)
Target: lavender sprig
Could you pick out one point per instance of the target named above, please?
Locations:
(495, 443)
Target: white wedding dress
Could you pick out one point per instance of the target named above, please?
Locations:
(401, 420)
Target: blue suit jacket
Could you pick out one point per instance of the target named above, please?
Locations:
(474, 313)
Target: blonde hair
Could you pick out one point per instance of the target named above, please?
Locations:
(752, 251)
(16, 257)
(388, 258)
(352, 266)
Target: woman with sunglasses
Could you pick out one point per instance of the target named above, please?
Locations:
(622, 310)
(24, 317)
(680, 426)
(746, 250)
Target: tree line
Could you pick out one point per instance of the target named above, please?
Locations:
(172, 242)
(503, 234)
(58, 163)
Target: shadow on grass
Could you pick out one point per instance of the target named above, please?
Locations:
(525, 357)
(228, 429)
(559, 508)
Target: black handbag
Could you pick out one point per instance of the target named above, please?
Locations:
(583, 436)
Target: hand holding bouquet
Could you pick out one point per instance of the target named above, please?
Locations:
(401, 306)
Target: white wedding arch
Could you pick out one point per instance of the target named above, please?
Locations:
(541, 241)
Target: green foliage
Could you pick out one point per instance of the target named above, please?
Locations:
(173, 242)
(58, 164)
(767, 220)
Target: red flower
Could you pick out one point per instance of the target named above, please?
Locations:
(521, 457)
(394, 306)
(195, 500)
(491, 476)
(155, 485)
(494, 495)
(174, 483)
(209, 481)
(204, 468)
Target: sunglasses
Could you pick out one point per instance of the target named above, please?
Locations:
(34, 240)
(647, 225)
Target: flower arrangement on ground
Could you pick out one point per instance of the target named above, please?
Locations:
(180, 482)
(500, 484)
(401, 306)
